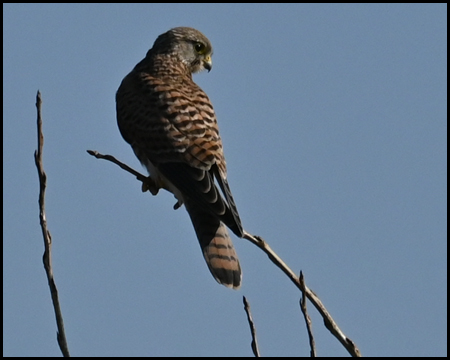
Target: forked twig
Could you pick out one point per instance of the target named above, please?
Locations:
(47, 258)
(312, 344)
(330, 324)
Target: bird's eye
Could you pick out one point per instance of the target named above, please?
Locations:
(199, 47)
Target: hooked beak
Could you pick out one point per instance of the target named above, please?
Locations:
(207, 63)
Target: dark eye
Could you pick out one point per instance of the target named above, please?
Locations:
(199, 47)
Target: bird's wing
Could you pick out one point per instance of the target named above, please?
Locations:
(177, 131)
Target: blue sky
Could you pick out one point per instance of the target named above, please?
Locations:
(334, 123)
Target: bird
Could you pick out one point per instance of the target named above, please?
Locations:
(171, 126)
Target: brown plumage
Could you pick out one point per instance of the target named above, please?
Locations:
(171, 125)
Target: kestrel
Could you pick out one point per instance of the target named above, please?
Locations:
(170, 123)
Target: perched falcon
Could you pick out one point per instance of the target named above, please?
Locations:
(171, 126)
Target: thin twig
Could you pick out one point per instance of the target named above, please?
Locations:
(147, 181)
(252, 328)
(47, 258)
(330, 324)
(306, 316)
(138, 175)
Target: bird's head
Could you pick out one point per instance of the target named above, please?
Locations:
(189, 45)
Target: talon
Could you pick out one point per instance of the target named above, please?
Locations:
(144, 187)
(149, 185)
(177, 205)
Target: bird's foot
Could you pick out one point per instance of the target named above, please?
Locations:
(177, 205)
(150, 185)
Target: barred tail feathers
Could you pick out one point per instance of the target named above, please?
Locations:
(217, 247)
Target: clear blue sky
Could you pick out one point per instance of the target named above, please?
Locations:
(334, 122)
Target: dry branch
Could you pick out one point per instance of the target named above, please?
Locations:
(47, 258)
(252, 328)
(330, 324)
(306, 316)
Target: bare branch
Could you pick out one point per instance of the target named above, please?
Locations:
(252, 328)
(147, 181)
(47, 258)
(330, 324)
(138, 175)
(306, 316)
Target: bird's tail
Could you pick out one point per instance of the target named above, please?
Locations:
(217, 246)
